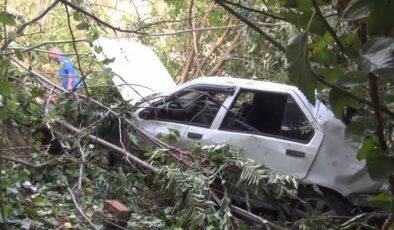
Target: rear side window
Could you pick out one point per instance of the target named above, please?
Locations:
(269, 114)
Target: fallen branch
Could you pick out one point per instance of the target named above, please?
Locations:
(25, 163)
(80, 210)
(236, 210)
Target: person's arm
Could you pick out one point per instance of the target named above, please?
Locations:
(69, 82)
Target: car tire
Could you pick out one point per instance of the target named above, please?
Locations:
(313, 203)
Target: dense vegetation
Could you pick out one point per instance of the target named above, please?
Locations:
(340, 50)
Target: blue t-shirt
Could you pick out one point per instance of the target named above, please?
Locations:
(67, 68)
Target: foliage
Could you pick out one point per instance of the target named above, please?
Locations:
(338, 49)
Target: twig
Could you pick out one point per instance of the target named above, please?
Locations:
(46, 113)
(349, 94)
(98, 20)
(264, 12)
(2, 204)
(110, 222)
(76, 52)
(80, 210)
(252, 25)
(262, 24)
(234, 43)
(374, 94)
(22, 27)
(121, 142)
(328, 27)
(25, 163)
(173, 21)
(81, 165)
(111, 146)
(50, 43)
(247, 215)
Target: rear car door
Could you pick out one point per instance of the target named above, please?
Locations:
(274, 128)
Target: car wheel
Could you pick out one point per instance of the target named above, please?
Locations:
(313, 203)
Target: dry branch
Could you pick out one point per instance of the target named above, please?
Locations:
(80, 210)
(223, 59)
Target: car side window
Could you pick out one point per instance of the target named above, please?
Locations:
(190, 106)
(269, 114)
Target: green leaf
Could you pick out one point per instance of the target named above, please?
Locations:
(359, 127)
(3, 115)
(7, 209)
(304, 20)
(368, 147)
(83, 26)
(379, 165)
(326, 57)
(98, 49)
(337, 103)
(389, 96)
(19, 55)
(380, 21)
(39, 201)
(7, 18)
(298, 67)
(353, 79)
(331, 74)
(382, 201)
(378, 54)
(5, 63)
(37, 92)
(357, 9)
(6, 88)
(92, 35)
(12, 106)
(77, 16)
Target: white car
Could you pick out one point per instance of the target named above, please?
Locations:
(272, 123)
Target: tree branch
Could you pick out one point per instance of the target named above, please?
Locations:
(328, 27)
(222, 60)
(80, 210)
(255, 10)
(98, 20)
(76, 52)
(374, 94)
(252, 25)
(349, 94)
(22, 27)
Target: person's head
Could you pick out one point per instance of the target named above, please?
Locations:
(55, 54)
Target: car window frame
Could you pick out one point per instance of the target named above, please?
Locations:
(294, 95)
(230, 90)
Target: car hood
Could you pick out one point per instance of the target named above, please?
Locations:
(137, 70)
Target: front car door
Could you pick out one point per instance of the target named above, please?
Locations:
(191, 111)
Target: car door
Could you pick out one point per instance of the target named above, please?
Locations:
(192, 108)
(274, 128)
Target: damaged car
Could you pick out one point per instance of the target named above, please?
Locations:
(271, 123)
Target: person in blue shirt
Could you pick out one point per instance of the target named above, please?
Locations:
(67, 72)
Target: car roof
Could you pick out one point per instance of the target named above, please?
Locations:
(242, 83)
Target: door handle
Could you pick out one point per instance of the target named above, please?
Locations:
(194, 135)
(295, 153)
